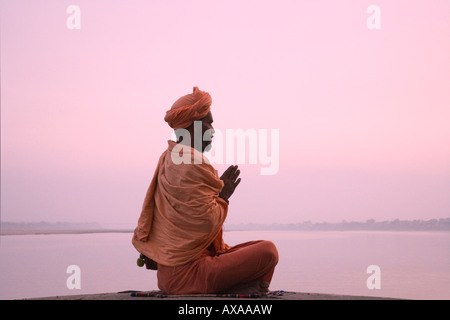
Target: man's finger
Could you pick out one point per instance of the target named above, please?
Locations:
(232, 169)
(226, 173)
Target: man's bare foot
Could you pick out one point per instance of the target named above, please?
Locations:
(263, 286)
(256, 286)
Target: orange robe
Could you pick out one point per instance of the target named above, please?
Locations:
(218, 272)
(181, 217)
(182, 212)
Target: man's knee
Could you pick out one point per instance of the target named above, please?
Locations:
(270, 252)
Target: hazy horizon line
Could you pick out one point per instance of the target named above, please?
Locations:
(100, 224)
(45, 227)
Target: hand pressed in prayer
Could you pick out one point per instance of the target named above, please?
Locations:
(230, 181)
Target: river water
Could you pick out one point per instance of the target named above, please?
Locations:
(413, 265)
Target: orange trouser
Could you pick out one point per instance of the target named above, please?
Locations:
(249, 261)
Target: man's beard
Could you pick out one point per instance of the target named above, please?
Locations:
(208, 147)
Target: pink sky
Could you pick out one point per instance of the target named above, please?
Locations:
(363, 114)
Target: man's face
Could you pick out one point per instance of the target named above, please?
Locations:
(207, 125)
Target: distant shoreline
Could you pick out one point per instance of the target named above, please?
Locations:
(396, 225)
(68, 231)
(30, 228)
(129, 231)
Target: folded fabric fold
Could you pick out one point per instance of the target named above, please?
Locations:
(182, 213)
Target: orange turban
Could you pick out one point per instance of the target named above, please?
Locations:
(188, 108)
